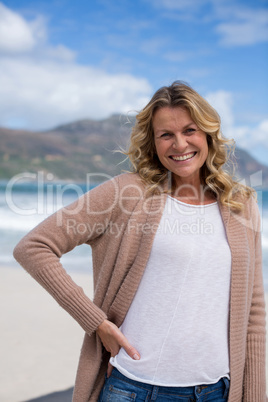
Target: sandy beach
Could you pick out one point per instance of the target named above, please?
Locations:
(30, 317)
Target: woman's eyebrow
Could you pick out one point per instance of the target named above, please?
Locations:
(168, 130)
(189, 124)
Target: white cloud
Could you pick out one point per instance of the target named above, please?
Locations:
(254, 140)
(247, 27)
(222, 101)
(58, 52)
(236, 23)
(42, 95)
(264, 128)
(43, 85)
(251, 138)
(259, 134)
(16, 34)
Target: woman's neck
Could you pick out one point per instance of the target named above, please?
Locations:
(194, 195)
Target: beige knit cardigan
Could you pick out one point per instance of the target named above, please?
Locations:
(118, 220)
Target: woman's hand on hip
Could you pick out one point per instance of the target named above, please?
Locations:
(113, 340)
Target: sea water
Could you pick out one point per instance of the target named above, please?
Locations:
(25, 204)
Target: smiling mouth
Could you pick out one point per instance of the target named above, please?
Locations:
(183, 157)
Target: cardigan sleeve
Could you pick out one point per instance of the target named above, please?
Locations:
(255, 376)
(40, 250)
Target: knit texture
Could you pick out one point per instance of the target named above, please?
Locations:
(118, 220)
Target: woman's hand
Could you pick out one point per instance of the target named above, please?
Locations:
(113, 339)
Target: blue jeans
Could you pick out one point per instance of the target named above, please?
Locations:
(118, 388)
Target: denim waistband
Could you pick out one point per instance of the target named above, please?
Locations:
(187, 391)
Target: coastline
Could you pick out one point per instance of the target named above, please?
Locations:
(40, 342)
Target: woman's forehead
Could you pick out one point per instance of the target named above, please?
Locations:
(172, 116)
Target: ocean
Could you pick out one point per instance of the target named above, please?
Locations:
(24, 204)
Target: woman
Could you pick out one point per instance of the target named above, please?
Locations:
(178, 310)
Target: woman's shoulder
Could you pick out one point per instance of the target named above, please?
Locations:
(250, 212)
(247, 198)
(126, 183)
(123, 180)
(253, 207)
(126, 186)
(129, 179)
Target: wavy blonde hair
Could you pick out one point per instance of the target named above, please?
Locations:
(144, 159)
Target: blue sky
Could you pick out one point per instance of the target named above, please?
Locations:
(62, 60)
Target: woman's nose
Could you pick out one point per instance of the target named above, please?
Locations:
(179, 143)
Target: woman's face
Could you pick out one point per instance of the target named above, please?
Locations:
(181, 147)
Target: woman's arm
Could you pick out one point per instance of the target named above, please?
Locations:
(40, 250)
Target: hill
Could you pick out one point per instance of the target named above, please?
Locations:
(71, 151)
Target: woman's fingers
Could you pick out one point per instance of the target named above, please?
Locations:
(131, 351)
(113, 339)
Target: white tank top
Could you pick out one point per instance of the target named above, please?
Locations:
(178, 319)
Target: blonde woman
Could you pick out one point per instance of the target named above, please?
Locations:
(178, 310)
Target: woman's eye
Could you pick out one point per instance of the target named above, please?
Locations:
(165, 135)
(190, 131)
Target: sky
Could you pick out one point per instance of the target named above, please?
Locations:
(62, 61)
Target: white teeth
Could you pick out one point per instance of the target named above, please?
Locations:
(183, 158)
